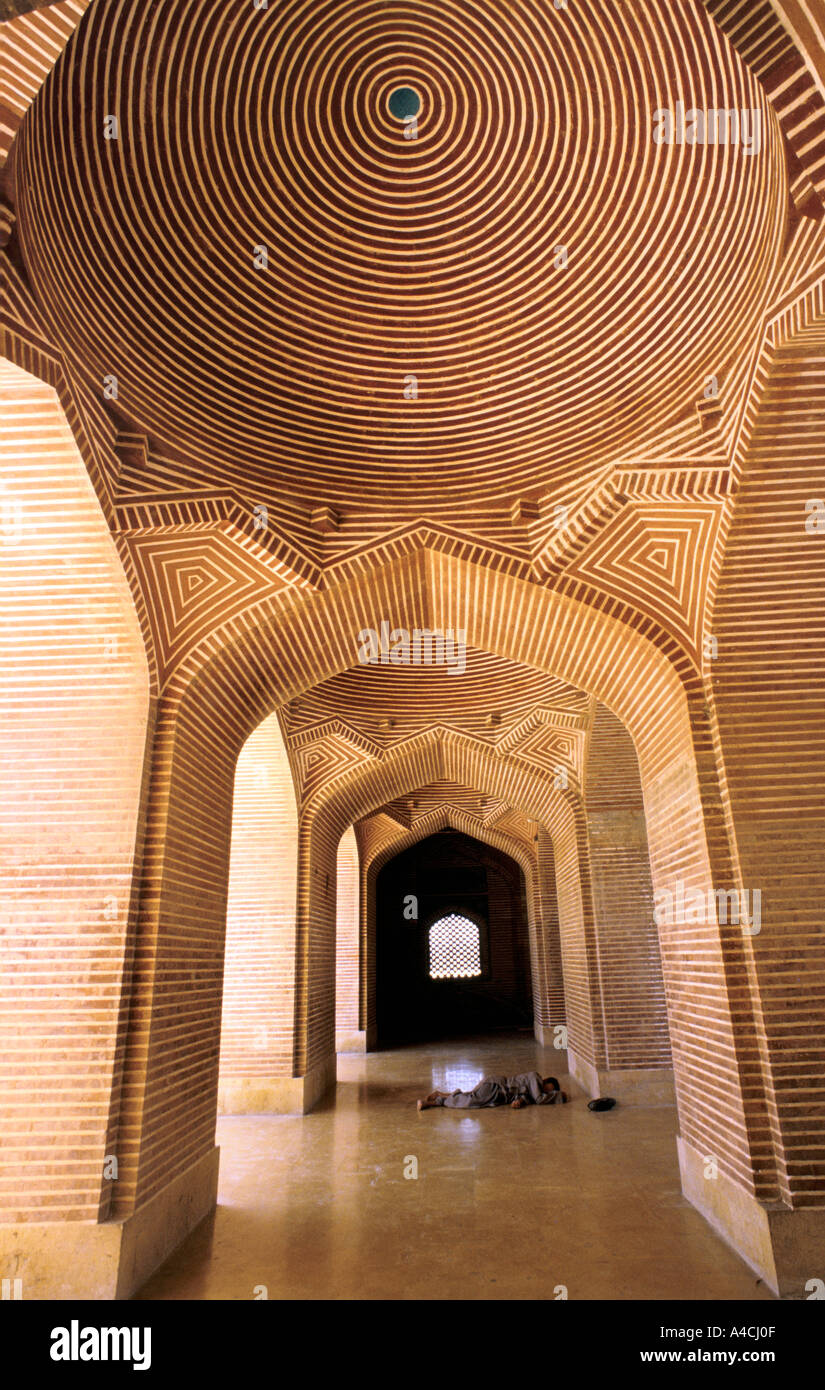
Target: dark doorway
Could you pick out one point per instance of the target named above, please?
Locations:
(462, 964)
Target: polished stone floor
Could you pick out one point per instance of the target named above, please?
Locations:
(506, 1205)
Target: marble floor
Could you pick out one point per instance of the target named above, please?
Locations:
(506, 1205)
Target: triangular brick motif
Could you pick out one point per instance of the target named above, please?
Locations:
(656, 557)
(191, 581)
(319, 764)
(194, 584)
(548, 748)
(312, 758)
(543, 741)
(662, 556)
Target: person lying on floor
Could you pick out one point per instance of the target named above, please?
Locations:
(528, 1088)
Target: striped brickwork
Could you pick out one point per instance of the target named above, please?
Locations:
(761, 31)
(347, 937)
(30, 44)
(74, 692)
(559, 491)
(768, 695)
(628, 960)
(259, 973)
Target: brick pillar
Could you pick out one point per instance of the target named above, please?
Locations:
(74, 715)
(349, 1035)
(548, 999)
(585, 1022)
(366, 917)
(765, 719)
(257, 1023)
(315, 1056)
(638, 1065)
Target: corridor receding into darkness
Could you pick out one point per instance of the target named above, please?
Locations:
(451, 876)
(507, 1204)
(412, 579)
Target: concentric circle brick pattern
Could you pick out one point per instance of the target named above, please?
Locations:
(437, 256)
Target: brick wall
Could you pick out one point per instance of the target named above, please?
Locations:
(768, 697)
(259, 969)
(628, 960)
(73, 725)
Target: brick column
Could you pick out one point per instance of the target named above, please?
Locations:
(585, 1019)
(349, 1035)
(764, 724)
(548, 1000)
(259, 969)
(638, 1065)
(74, 716)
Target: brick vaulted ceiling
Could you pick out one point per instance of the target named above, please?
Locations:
(388, 256)
(560, 432)
(525, 716)
(496, 698)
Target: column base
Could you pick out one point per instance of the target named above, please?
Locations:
(276, 1095)
(784, 1246)
(85, 1260)
(633, 1086)
(351, 1042)
(545, 1034)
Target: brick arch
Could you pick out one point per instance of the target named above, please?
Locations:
(520, 852)
(453, 818)
(418, 762)
(291, 642)
(302, 641)
(415, 763)
(680, 734)
(447, 755)
(783, 44)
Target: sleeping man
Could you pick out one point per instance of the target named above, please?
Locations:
(528, 1088)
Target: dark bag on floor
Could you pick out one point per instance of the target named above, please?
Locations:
(603, 1103)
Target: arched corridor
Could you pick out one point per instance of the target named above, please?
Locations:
(455, 959)
(413, 566)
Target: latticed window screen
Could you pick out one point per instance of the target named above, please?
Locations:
(455, 948)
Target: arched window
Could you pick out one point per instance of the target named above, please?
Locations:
(455, 948)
